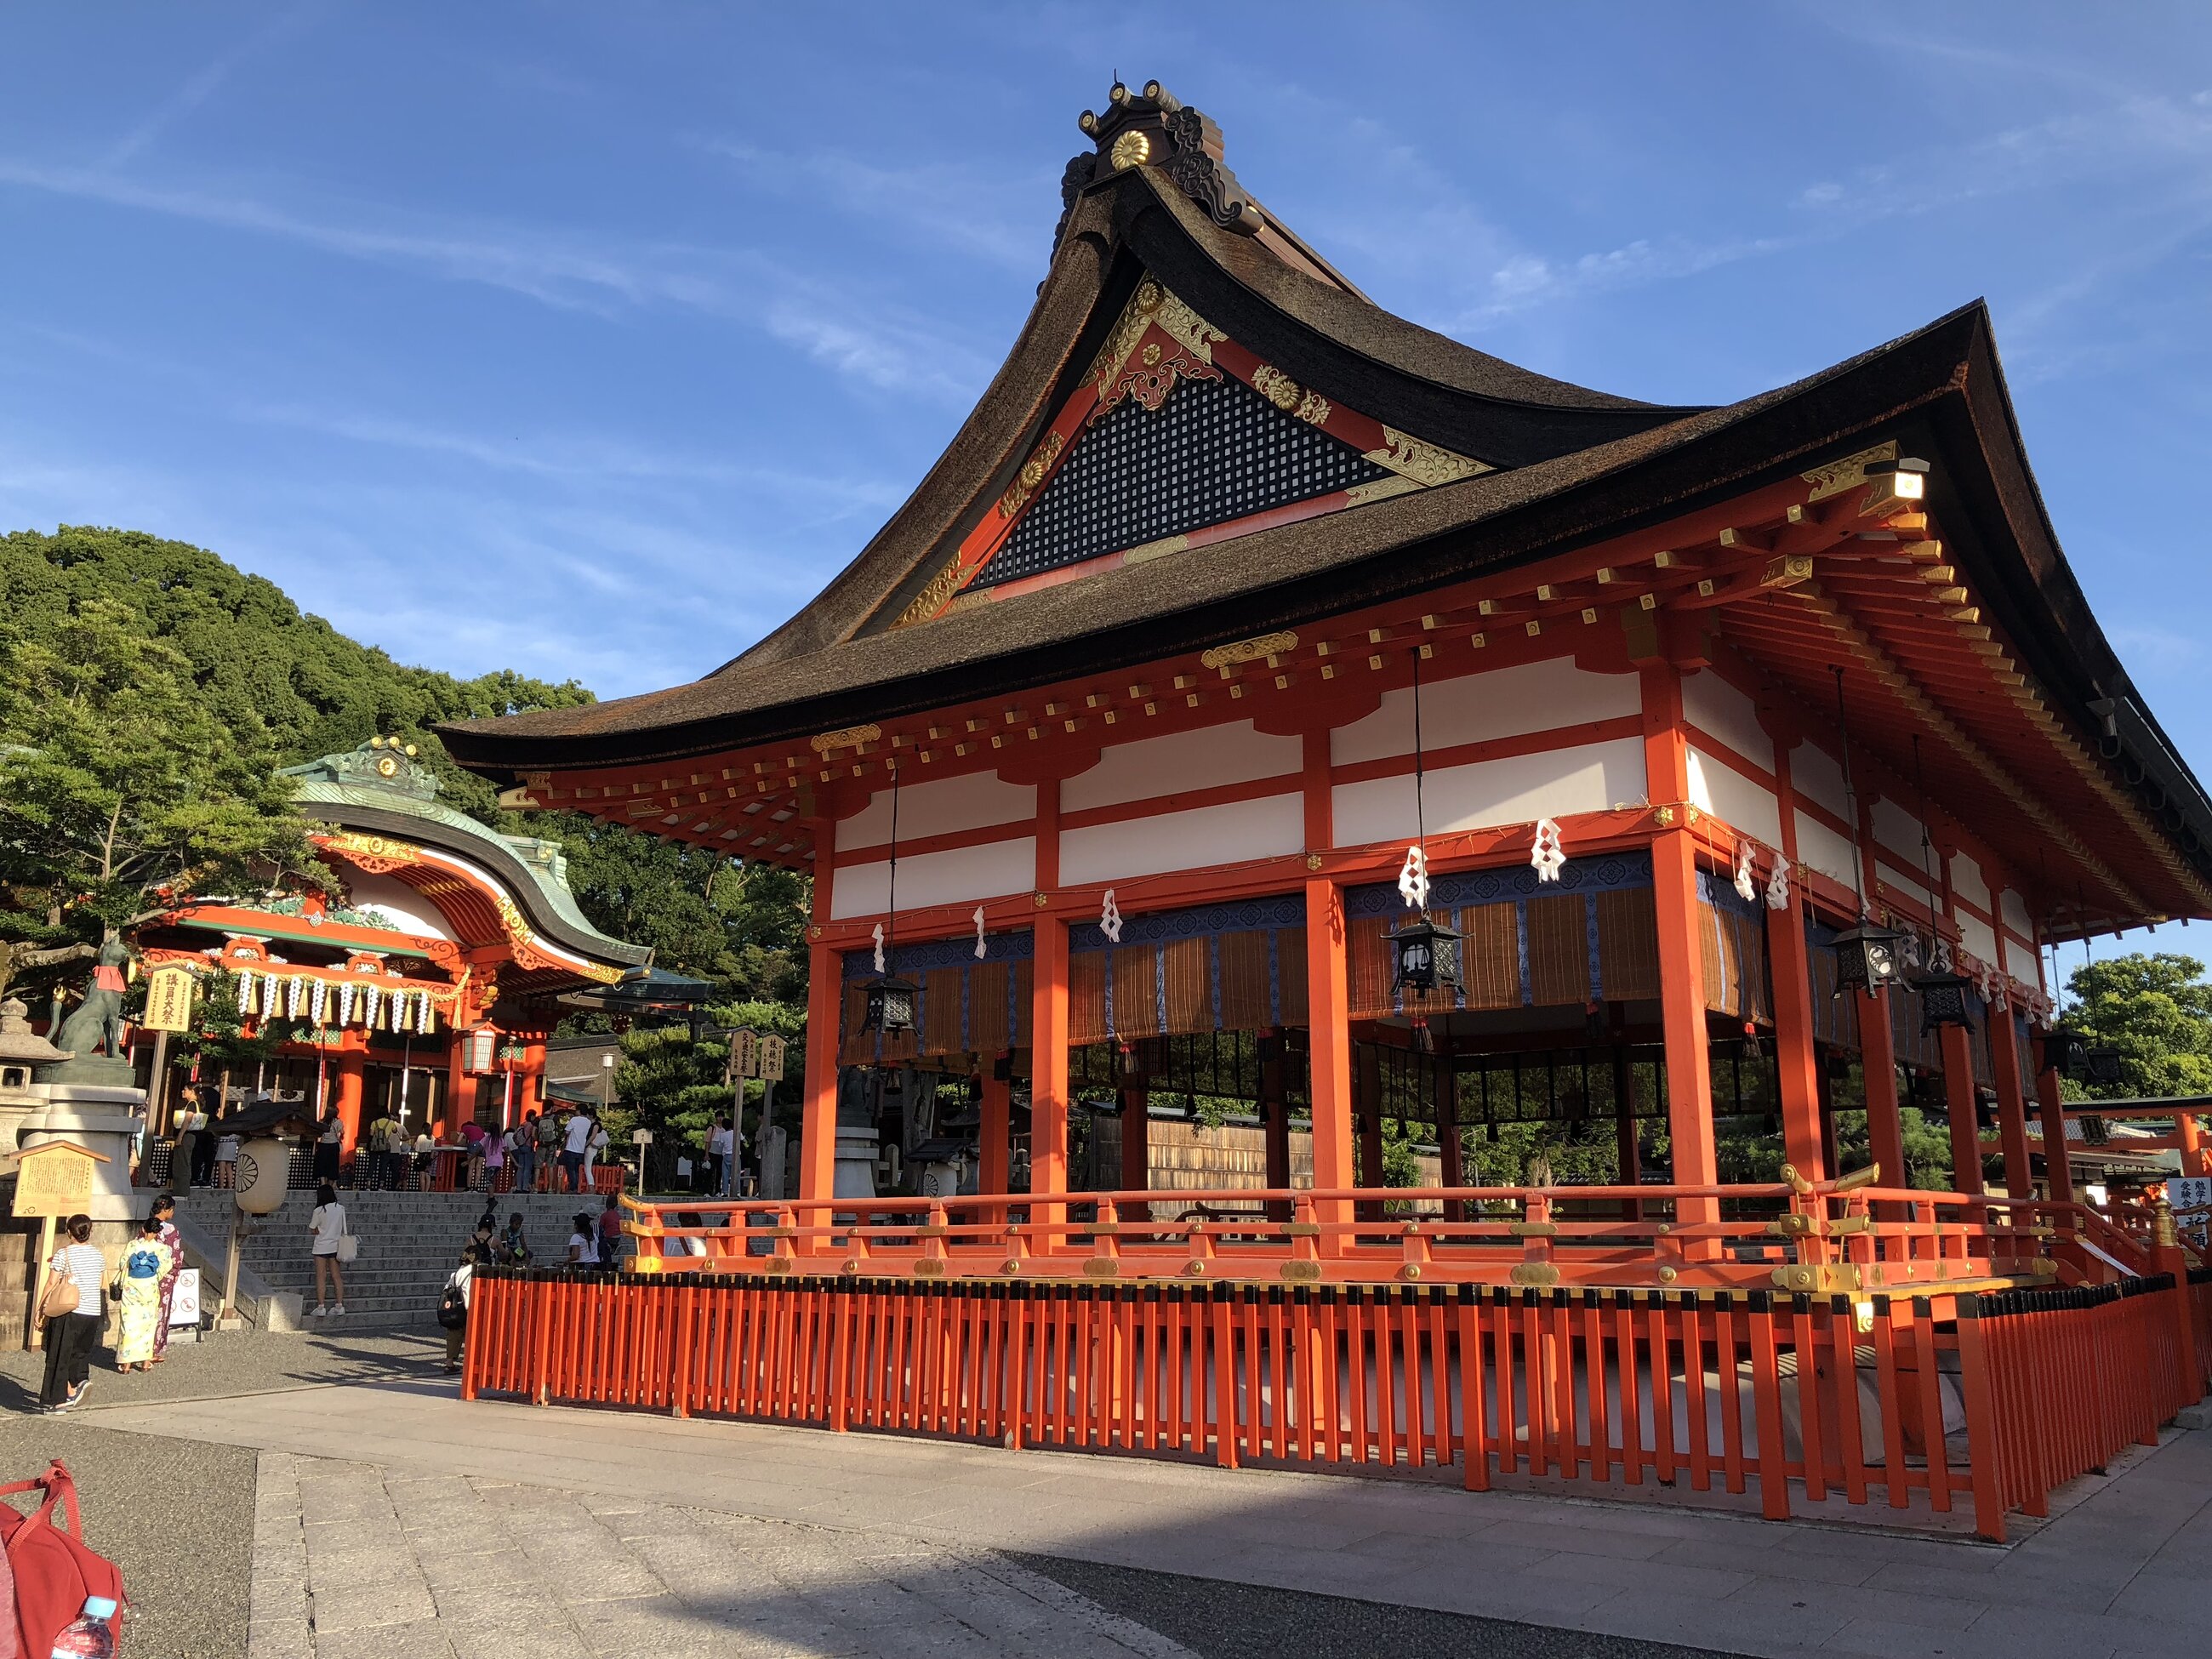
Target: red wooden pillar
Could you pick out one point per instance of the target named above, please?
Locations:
(2057, 1163)
(1049, 1072)
(1789, 965)
(1681, 959)
(1878, 1070)
(1275, 1116)
(1449, 1153)
(460, 1087)
(825, 999)
(1958, 1099)
(1329, 1046)
(2012, 1100)
(349, 1063)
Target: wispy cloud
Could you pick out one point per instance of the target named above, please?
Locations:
(958, 205)
(859, 336)
(201, 86)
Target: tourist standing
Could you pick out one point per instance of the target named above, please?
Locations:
(426, 1160)
(526, 1154)
(384, 1133)
(329, 1145)
(719, 1143)
(611, 1233)
(594, 1152)
(226, 1160)
(69, 1336)
(472, 1142)
(203, 1140)
(146, 1263)
(180, 1153)
(453, 1308)
(497, 1148)
(550, 1131)
(165, 1213)
(574, 1145)
(326, 1227)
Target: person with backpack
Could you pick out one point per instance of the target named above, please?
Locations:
(72, 1303)
(383, 1147)
(548, 1148)
(575, 1142)
(611, 1233)
(453, 1307)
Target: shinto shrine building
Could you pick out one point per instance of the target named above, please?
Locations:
(428, 985)
(1247, 644)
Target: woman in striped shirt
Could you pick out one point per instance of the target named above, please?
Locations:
(70, 1336)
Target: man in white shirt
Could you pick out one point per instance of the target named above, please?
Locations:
(573, 1147)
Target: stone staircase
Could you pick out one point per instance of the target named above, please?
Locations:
(408, 1242)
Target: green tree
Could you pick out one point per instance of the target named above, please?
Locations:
(2157, 1012)
(120, 794)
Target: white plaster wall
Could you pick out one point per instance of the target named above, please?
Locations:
(2013, 910)
(398, 903)
(2024, 963)
(1966, 881)
(1505, 703)
(1715, 707)
(1898, 831)
(974, 801)
(960, 876)
(1718, 789)
(1823, 849)
(1590, 777)
(1978, 937)
(1904, 881)
(1196, 840)
(1818, 778)
(1210, 756)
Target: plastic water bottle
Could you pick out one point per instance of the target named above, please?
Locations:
(93, 1635)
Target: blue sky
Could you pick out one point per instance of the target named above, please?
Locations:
(590, 340)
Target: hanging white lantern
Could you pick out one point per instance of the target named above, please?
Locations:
(1549, 855)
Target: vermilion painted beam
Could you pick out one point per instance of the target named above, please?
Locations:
(1958, 1098)
(2012, 1101)
(2057, 1165)
(1790, 963)
(1681, 960)
(1328, 1004)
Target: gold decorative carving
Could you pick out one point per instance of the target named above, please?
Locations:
(377, 854)
(1835, 477)
(1277, 387)
(1267, 645)
(1379, 489)
(1537, 1273)
(851, 738)
(1300, 1273)
(1313, 409)
(1152, 304)
(1152, 354)
(1427, 464)
(1031, 475)
(1787, 571)
(1132, 149)
(933, 597)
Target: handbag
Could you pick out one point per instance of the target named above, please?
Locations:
(60, 1297)
(52, 1570)
(348, 1246)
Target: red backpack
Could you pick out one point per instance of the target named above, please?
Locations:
(53, 1571)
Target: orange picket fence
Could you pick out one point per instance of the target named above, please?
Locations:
(1978, 1405)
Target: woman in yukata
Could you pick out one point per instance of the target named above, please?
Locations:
(145, 1263)
(165, 1212)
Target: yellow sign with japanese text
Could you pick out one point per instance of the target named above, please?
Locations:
(55, 1179)
(169, 999)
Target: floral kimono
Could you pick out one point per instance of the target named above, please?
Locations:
(175, 1241)
(145, 1264)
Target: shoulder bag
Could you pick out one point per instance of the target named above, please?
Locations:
(348, 1246)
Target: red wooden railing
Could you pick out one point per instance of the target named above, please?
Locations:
(1905, 1404)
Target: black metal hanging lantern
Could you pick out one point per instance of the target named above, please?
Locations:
(2066, 1052)
(2105, 1068)
(1428, 956)
(1944, 1002)
(890, 1004)
(1866, 959)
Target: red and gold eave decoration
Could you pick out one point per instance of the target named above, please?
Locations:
(1157, 342)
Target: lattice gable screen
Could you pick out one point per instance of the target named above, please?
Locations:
(1214, 450)
(1528, 944)
(967, 1007)
(1237, 967)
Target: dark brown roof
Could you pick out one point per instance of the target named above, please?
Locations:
(1573, 467)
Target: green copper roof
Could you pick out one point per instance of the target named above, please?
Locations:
(382, 787)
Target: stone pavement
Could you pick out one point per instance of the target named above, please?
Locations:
(352, 1562)
(2127, 1570)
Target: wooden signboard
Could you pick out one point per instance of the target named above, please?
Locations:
(54, 1178)
(744, 1053)
(771, 1058)
(168, 999)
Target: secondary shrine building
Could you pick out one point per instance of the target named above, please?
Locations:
(1754, 753)
(426, 986)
